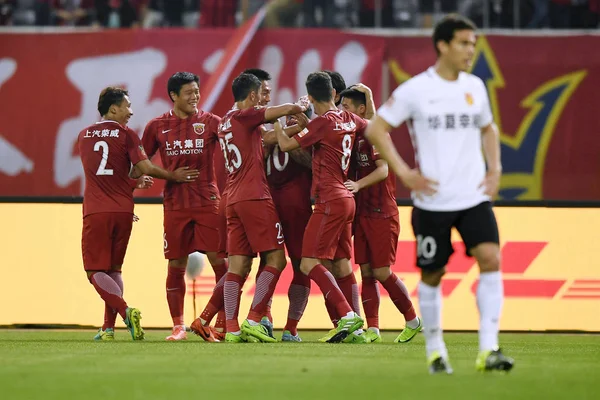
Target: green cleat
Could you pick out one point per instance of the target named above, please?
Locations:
(372, 336)
(108, 335)
(132, 321)
(257, 331)
(408, 333)
(329, 335)
(356, 338)
(345, 327)
(288, 337)
(231, 338)
(438, 364)
(493, 360)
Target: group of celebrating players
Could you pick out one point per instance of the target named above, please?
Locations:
(276, 160)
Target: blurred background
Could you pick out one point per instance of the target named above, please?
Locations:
(524, 14)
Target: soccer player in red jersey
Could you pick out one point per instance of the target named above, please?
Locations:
(187, 136)
(252, 222)
(327, 239)
(108, 149)
(376, 226)
(289, 178)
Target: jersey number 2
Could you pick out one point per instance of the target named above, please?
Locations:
(102, 170)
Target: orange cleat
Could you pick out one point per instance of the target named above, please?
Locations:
(178, 333)
(218, 335)
(205, 332)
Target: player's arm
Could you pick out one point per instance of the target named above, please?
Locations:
(300, 122)
(302, 157)
(276, 112)
(285, 142)
(379, 174)
(377, 134)
(370, 103)
(490, 138)
(180, 175)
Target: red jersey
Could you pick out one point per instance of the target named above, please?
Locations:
(107, 150)
(379, 200)
(282, 170)
(332, 135)
(186, 142)
(241, 140)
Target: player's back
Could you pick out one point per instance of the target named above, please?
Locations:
(283, 170)
(332, 154)
(107, 151)
(188, 142)
(241, 141)
(379, 200)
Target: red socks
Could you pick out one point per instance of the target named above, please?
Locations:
(265, 287)
(176, 293)
(328, 286)
(232, 289)
(370, 301)
(110, 292)
(399, 295)
(298, 296)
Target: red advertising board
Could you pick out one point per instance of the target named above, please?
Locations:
(542, 90)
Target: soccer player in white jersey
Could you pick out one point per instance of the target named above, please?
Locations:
(448, 115)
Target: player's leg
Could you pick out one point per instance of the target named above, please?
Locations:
(220, 265)
(382, 237)
(107, 332)
(479, 230)
(222, 253)
(432, 230)
(265, 234)
(370, 288)
(370, 301)
(267, 318)
(240, 259)
(298, 294)
(178, 239)
(346, 280)
(323, 235)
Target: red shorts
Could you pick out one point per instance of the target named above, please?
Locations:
(329, 232)
(223, 227)
(294, 213)
(104, 240)
(376, 241)
(189, 230)
(253, 227)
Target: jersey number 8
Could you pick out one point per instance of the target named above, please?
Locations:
(347, 149)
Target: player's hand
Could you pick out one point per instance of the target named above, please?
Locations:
(301, 120)
(491, 183)
(418, 183)
(362, 88)
(352, 186)
(144, 182)
(135, 218)
(303, 102)
(185, 175)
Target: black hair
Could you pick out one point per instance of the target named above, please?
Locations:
(445, 29)
(109, 96)
(243, 85)
(261, 74)
(319, 86)
(178, 79)
(338, 83)
(355, 95)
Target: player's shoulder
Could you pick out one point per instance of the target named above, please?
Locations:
(472, 80)
(161, 118)
(207, 117)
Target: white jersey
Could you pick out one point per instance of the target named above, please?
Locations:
(445, 120)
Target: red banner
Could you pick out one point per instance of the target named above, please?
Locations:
(542, 90)
(543, 93)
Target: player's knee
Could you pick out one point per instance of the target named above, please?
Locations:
(433, 278)
(381, 274)
(214, 259)
(276, 259)
(307, 265)
(341, 268)
(178, 263)
(488, 257)
(366, 271)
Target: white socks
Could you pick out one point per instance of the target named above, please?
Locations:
(430, 304)
(490, 297)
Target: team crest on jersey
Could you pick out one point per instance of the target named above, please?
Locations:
(469, 98)
(198, 128)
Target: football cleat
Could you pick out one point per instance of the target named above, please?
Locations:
(268, 326)
(328, 336)
(493, 360)
(107, 335)
(408, 334)
(178, 333)
(345, 327)
(288, 337)
(257, 331)
(438, 364)
(372, 337)
(205, 332)
(132, 321)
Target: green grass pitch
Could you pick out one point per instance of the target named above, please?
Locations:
(68, 365)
